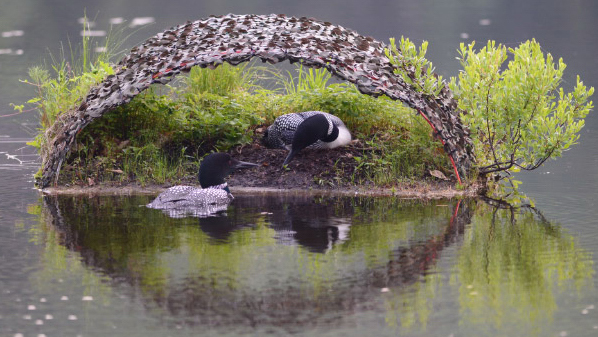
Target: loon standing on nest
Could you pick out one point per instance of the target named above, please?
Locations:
(213, 196)
(313, 129)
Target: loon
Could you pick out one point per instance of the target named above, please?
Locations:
(212, 197)
(312, 129)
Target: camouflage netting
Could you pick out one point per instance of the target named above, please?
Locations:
(273, 38)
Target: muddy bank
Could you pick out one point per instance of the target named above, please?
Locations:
(317, 172)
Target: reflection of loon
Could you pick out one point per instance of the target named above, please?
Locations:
(313, 129)
(316, 234)
(214, 196)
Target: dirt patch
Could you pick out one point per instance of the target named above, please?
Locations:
(319, 172)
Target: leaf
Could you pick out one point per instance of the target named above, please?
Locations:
(438, 174)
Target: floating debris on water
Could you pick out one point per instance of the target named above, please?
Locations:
(13, 33)
(87, 298)
(142, 21)
(72, 318)
(94, 33)
(8, 51)
(86, 22)
(64, 298)
(117, 21)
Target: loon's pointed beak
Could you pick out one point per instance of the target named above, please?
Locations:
(290, 157)
(243, 164)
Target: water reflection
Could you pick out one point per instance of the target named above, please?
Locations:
(326, 262)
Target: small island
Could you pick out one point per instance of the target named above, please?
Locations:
(117, 127)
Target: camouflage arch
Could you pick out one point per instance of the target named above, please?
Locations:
(272, 38)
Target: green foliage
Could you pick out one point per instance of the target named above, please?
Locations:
(413, 67)
(219, 121)
(519, 116)
(306, 80)
(223, 80)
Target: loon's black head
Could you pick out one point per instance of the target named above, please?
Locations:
(310, 131)
(217, 166)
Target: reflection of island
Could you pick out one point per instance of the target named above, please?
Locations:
(246, 267)
(295, 261)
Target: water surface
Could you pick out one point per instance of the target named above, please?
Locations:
(108, 266)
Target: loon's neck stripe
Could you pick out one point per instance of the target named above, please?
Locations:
(331, 135)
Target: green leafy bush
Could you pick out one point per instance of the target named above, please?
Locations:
(519, 116)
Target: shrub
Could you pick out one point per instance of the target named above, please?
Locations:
(519, 116)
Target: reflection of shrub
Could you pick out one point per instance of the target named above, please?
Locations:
(513, 258)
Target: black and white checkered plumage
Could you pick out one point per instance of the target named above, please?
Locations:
(280, 134)
(213, 195)
(311, 129)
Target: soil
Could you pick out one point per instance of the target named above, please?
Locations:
(321, 172)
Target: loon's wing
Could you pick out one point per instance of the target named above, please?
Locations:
(171, 196)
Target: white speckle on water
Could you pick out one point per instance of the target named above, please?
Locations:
(485, 22)
(64, 298)
(86, 21)
(585, 311)
(31, 307)
(18, 300)
(473, 293)
(384, 290)
(87, 298)
(13, 33)
(41, 335)
(116, 21)
(595, 327)
(94, 33)
(60, 280)
(18, 334)
(43, 300)
(563, 334)
(141, 21)
(590, 307)
(27, 317)
(100, 49)
(469, 286)
(72, 318)
(39, 322)
(464, 36)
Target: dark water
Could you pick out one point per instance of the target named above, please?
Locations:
(303, 265)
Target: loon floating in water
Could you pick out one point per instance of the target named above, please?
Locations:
(212, 197)
(312, 129)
